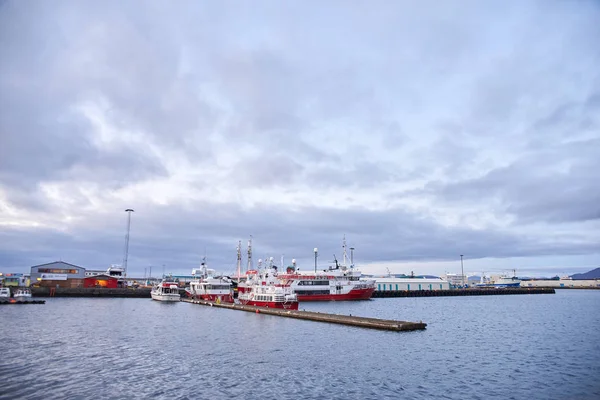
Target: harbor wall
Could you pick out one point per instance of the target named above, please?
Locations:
(461, 292)
(89, 292)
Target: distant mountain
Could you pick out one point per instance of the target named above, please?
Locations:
(593, 274)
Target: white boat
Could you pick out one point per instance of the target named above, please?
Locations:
(333, 284)
(22, 294)
(209, 287)
(266, 290)
(4, 293)
(165, 290)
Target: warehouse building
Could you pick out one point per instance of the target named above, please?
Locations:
(58, 274)
(394, 284)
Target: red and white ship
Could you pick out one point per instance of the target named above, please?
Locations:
(209, 287)
(337, 283)
(266, 290)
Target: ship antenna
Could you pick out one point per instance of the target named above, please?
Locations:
(239, 259)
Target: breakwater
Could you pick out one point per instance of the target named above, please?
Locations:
(460, 292)
(362, 322)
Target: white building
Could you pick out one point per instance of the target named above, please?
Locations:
(391, 283)
(456, 280)
(563, 283)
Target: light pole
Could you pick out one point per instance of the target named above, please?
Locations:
(352, 256)
(462, 270)
(316, 255)
(128, 211)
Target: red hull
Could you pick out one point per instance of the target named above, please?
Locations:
(355, 294)
(215, 297)
(269, 304)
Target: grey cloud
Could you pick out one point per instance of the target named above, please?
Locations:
(178, 237)
(557, 185)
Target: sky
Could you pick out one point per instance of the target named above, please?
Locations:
(419, 130)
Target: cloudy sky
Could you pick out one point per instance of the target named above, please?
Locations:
(421, 130)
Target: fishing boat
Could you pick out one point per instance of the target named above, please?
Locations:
(22, 294)
(337, 283)
(207, 286)
(265, 289)
(166, 290)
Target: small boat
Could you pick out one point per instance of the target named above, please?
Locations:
(266, 290)
(22, 294)
(4, 293)
(166, 290)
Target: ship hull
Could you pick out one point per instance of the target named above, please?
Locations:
(218, 298)
(293, 305)
(165, 297)
(355, 294)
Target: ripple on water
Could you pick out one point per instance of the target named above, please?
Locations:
(535, 347)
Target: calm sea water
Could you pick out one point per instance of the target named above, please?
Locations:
(513, 347)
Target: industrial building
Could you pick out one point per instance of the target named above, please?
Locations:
(58, 274)
(391, 283)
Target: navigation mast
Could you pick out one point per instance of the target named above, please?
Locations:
(249, 266)
(239, 259)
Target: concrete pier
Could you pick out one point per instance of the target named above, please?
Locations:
(362, 322)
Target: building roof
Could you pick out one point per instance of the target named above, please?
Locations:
(57, 262)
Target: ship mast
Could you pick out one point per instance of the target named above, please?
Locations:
(239, 259)
(345, 255)
(249, 265)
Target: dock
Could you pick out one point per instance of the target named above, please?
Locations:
(461, 292)
(362, 322)
(7, 302)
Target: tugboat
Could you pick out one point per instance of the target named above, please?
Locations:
(266, 289)
(209, 287)
(166, 290)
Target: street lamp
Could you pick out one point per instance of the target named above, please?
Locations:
(462, 271)
(316, 255)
